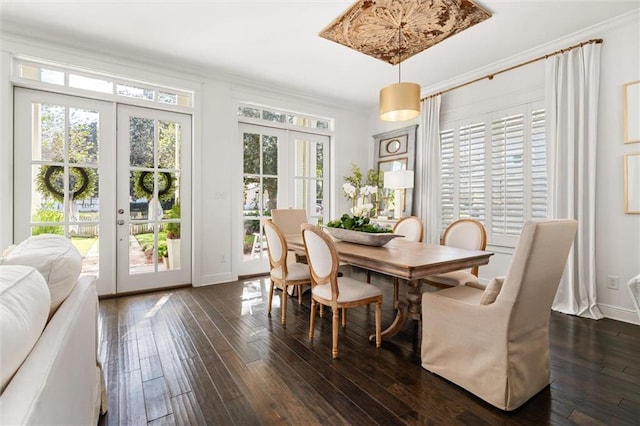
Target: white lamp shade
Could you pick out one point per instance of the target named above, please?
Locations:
(400, 102)
(398, 179)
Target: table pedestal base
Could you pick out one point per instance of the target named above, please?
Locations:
(412, 309)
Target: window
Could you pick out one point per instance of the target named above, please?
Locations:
(286, 165)
(494, 170)
(289, 118)
(95, 82)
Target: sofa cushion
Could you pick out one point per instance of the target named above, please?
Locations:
(24, 308)
(55, 258)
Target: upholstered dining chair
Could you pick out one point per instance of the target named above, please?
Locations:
(289, 221)
(412, 229)
(327, 289)
(466, 234)
(495, 342)
(283, 274)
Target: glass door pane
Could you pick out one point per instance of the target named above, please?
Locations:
(60, 169)
(154, 246)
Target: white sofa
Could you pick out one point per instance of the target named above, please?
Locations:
(59, 381)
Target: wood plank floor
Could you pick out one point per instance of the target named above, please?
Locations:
(212, 356)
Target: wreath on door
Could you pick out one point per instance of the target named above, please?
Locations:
(143, 185)
(50, 182)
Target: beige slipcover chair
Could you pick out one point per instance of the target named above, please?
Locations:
(499, 350)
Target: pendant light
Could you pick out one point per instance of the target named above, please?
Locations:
(399, 101)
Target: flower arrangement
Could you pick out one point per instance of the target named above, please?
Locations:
(363, 194)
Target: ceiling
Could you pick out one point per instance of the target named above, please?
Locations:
(276, 43)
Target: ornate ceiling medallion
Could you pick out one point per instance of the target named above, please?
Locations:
(371, 26)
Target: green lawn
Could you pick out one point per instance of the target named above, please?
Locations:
(146, 239)
(83, 244)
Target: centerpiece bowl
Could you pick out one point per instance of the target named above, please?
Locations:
(359, 237)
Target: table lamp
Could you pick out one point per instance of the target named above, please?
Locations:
(399, 180)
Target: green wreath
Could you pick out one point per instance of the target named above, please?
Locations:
(50, 182)
(143, 185)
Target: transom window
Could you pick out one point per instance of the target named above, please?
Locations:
(58, 75)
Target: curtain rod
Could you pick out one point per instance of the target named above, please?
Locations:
(490, 76)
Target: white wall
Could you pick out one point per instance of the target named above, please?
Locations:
(617, 234)
(217, 153)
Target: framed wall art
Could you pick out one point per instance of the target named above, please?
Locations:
(632, 183)
(631, 111)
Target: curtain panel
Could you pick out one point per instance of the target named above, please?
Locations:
(428, 169)
(571, 101)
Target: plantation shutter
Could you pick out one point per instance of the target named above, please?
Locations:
(507, 175)
(447, 178)
(472, 168)
(495, 172)
(538, 165)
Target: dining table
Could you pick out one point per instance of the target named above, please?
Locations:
(408, 260)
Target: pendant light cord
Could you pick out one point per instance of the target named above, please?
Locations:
(399, 59)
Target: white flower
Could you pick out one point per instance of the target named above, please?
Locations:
(369, 190)
(349, 189)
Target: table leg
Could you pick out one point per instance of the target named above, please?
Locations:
(409, 310)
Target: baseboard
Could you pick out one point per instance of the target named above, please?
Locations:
(619, 314)
(215, 279)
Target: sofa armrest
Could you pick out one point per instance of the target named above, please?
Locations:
(59, 382)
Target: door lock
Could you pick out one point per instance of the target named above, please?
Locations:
(120, 211)
(121, 222)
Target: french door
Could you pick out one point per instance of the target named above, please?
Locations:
(281, 169)
(153, 199)
(67, 155)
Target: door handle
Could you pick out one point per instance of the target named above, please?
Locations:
(121, 222)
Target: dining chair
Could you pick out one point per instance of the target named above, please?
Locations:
(495, 342)
(327, 289)
(283, 274)
(289, 221)
(466, 234)
(412, 229)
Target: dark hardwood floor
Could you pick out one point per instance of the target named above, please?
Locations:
(211, 355)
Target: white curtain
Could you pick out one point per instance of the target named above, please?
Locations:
(427, 193)
(571, 102)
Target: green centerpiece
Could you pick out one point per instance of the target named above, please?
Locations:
(359, 230)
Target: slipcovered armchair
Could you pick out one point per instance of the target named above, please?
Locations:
(495, 342)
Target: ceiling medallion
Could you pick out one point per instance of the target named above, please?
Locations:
(371, 26)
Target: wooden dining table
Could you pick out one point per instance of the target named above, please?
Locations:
(408, 260)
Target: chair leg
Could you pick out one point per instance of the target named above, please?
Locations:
(312, 319)
(321, 311)
(378, 324)
(270, 297)
(284, 304)
(300, 294)
(334, 333)
(344, 317)
(368, 277)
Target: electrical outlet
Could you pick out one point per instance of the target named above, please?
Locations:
(613, 282)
